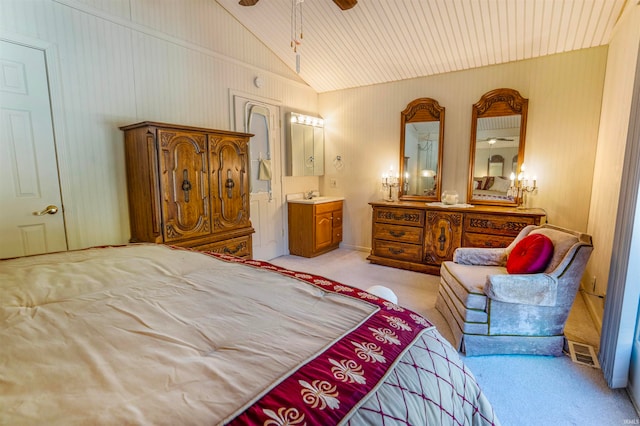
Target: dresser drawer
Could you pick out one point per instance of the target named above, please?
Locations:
(496, 224)
(404, 234)
(336, 235)
(399, 251)
(337, 218)
(240, 247)
(399, 216)
(471, 239)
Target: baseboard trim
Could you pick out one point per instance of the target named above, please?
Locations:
(595, 313)
(352, 247)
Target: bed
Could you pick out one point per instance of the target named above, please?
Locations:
(151, 334)
(492, 188)
(489, 195)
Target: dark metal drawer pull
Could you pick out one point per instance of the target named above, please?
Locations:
(396, 251)
(228, 250)
(397, 234)
(442, 238)
(186, 185)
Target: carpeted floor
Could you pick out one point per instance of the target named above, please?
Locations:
(525, 390)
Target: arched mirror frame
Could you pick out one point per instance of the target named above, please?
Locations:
(421, 110)
(497, 103)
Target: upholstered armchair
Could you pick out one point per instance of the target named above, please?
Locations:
(492, 311)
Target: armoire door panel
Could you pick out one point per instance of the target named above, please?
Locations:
(184, 184)
(230, 197)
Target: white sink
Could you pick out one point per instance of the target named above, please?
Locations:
(316, 200)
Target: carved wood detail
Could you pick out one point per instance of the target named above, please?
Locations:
(400, 217)
(489, 224)
(423, 105)
(508, 96)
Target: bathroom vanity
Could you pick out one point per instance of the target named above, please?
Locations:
(315, 225)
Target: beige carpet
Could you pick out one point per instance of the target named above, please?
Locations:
(531, 390)
(416, 291)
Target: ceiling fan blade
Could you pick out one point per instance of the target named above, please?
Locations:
(247, 2)
(345, 4)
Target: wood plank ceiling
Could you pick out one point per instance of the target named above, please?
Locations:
(380, 41)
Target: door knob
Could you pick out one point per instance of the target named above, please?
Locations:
(48, 210)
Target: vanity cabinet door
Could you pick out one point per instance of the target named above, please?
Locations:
(443, 234)
(324, 230)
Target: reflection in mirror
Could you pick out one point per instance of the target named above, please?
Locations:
(305, 145)
(421, 140)
(497, 146)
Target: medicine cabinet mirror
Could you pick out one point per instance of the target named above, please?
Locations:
(421, 141)
(305, 145)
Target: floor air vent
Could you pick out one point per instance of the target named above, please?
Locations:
(581, 353)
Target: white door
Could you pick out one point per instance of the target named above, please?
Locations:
(31, 218)
(262, 120)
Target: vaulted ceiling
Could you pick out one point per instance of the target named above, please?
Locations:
(380, 41)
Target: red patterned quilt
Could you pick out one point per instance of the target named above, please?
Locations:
(362, 378)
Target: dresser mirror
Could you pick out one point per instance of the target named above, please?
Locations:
(305, 145)
(421, 141)
(498, 127)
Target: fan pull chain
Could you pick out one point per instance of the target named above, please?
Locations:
(296, 24)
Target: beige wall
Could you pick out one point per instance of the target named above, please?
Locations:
(120, 62)
(564, 92)
(612, 139)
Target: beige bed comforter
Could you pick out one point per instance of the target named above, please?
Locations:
(146, 334)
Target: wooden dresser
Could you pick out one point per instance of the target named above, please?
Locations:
(418, 237)
(189, 187)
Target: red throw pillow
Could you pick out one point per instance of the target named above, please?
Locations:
(531, 255)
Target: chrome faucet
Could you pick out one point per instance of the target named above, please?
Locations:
(308, 195)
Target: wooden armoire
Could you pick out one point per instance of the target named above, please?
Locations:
(189, 187)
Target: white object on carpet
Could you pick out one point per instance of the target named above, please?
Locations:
(384, 292)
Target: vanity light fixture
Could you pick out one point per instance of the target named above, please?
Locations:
(307, 119)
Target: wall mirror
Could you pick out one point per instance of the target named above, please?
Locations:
(498, 128)
(305, 145)
(421, 141)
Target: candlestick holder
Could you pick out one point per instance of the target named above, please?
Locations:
(519, 190)
(390, 188)
(520, 187)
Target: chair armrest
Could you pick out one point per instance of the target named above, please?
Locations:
(525, 289)
(480, 256)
